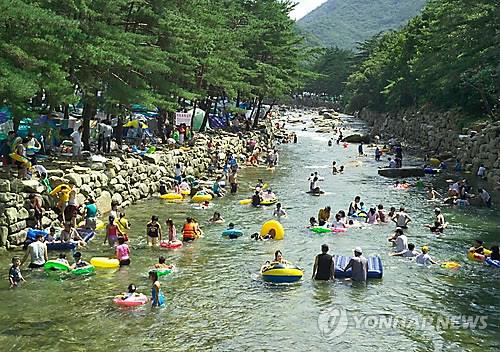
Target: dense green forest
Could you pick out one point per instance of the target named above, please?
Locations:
(447, 57)
(343, 23)
(109, 54)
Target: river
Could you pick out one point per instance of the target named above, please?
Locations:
(216, 300)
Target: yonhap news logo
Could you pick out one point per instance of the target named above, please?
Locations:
(334, 322)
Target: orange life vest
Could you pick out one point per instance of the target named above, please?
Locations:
(189, 231)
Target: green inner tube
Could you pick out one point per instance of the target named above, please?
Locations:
(53, 265)
(319, 229)
(84, 270)
(162, 272)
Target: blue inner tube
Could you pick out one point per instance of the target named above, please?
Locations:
(61, 246)
(32, 233)
(232, 233)
(492, 262)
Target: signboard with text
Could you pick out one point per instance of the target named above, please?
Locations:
(182, 117)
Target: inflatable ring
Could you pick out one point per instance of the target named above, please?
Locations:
(186, 192)
(245, 201)
(273, 225)
(105, 263)
(339, 229)
(269, 201)
(162, 271)
(232, 233)
(85, 270)
(21, 159)
(171, 196)
(320, 229)
(61, 246)
(200, 198)
(32, 233)
(137, 299)
(492, 262)
(450, 265)
(478, 257)
(171, 245)
(282, 273)
(54, 265)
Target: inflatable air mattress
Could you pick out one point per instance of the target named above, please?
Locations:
(375, 269)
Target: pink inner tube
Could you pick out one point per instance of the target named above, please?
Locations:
(133, 301)
(339, 229)
(173, 245)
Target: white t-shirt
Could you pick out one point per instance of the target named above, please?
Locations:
(37, 252)
(481, 171)
(401, 243)
(178, 171)
(76, 138)
(485, 196)
(423, 259)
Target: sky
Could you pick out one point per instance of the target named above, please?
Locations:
(304, 7)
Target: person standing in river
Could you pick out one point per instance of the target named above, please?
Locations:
(324, 265)
(233, 181)
(359, 265)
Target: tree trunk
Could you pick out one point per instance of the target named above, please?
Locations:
(257, 114)
(194, 113)
(238, 97)
(208, 104)
(88, 113)
(66, 111)
(119, 131)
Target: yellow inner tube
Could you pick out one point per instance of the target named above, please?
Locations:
(171, 196)
(199, 198)
(478, 257)
(105, 263)
(269, 201)
(450, 265)
(186, 192)
(273, 225)
(245, 201)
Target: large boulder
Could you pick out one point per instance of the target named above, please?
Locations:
(103, 202)
(402, 172)
(74, 179)
(32, 186)
(4, 186)
(4, 234)
(357, 138)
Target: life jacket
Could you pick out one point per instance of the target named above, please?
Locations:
(189, 231)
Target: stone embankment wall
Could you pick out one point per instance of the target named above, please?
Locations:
(125, 179)
(439, 135)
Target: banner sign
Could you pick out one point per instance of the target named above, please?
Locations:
(183, 117)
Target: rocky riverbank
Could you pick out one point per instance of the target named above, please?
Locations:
(440, 136)
(125, 178)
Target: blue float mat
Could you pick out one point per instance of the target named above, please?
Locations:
(375, 268)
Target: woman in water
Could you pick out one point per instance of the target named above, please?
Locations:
(278, 258)
(372, 216)
(216, 219)
(157, 298)
(112, 232)
(153, 231)
(123, 252)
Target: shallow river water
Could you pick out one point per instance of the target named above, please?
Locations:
(217, 301)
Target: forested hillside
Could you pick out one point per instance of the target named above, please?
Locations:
(343, 23)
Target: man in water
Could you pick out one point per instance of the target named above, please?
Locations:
(256, 199)
(439, 216)
(324, 265)
(359, 265)
(279, 212)
(485, 197)
(354, 206)
(424, 258)
(402, 219)
(409, 253)
(360, 149)
(399, 240)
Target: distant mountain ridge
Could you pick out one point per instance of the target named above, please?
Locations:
(342, 23)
